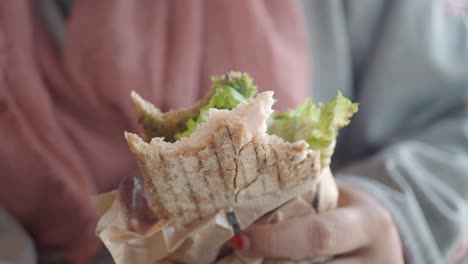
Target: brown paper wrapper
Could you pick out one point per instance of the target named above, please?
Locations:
(203, 241)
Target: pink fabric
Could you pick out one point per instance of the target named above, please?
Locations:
(62, 118)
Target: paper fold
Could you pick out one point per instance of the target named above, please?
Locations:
(203, 241)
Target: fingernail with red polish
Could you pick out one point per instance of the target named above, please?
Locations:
(240, 242)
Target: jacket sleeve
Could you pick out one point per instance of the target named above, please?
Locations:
(423, 182)
(406, 63)
(44, 182)
(421, 170)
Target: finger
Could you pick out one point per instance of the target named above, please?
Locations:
(327, 234)
(350, 195)
(348, 260)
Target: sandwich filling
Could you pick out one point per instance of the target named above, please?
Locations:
(231, 146)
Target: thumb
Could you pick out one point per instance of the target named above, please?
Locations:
(331, 233)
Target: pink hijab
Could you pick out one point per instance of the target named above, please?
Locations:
(62, 117)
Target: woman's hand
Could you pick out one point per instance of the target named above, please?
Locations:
(360, 230)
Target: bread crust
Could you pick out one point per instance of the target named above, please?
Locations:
(225, 163)
(158, 124)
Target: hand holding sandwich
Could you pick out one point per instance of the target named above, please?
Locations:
(360, 230)
(232, 148)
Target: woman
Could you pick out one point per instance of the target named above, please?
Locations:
(66, 79)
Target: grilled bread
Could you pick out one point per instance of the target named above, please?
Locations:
(228, 159)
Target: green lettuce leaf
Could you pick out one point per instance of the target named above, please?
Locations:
(317, 124)
(230, 90)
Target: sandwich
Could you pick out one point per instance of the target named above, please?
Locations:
(231, 147)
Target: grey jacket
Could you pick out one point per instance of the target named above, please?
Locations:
(406, 62)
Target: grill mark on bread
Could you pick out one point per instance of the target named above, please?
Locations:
(244, 177)
(256, 155)
(236, 154)
(193, 198)
(258, 169)
(159, 209)
(220, 170)
(264, 168)
(278, 172)
(250, 186)
(230, 138)
(215, 182)
(178, 212)
(205, 180)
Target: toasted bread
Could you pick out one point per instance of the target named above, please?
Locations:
(228, 159)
